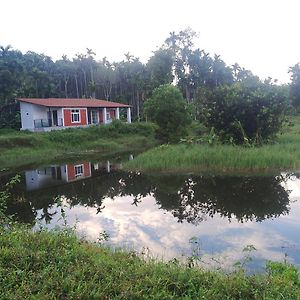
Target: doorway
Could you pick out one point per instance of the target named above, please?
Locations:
(54, 117)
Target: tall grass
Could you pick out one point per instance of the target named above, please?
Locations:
(283, 155)
(21, 148)
(57, 265)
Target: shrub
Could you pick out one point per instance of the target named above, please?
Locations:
(168, 110)
(244, 114)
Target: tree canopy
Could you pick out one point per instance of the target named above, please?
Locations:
(295, 86)
(128, 81)
(201, 78)
(168, 110)
(244, 113)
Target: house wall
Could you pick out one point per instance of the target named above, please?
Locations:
(71, 171)
(37, 179)
(68, 120)
(31, 112)
(59, 114)
(112, 114)
(26, 110)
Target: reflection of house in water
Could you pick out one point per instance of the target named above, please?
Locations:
(56, 175)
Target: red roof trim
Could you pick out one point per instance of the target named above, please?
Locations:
(72, 102)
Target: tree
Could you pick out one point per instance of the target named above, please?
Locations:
(159, 68)
(168, 110)
(244, 113)
(295, 85)
(181, 45)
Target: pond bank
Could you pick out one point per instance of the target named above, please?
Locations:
(56, 264)
(25, 148)
(283, 155)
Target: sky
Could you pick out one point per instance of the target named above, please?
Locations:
(145, 225)
(260, 35)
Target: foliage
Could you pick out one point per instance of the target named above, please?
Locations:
(129, 81)
(168, 110)
(283, 155)
(195, 68)
(57, 265)
(295, 85)
(21, 147)
(10, 116)
(244, 113)
(159, 67)
(5, 194)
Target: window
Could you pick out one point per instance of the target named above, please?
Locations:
(78, 170)
(75, 116)
(107, 115)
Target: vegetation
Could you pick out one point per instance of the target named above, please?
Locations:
(191, 198)
(129, 81)
(168, 110)
(57, 265)
(23, 148)
(295, 86)
(214, 157)
(244, 113)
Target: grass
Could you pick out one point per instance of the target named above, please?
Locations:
(25, 148)
(58, 265)
(283, 155)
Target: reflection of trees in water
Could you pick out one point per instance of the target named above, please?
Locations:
(188, 198)
(245, 198)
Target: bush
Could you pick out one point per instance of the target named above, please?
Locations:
(10, 116)
(168, 110)
(244, 114)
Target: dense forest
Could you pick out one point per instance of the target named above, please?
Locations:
(129, 81)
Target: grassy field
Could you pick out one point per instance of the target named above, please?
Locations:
(57, 265)
(25, 148)
(283, 155)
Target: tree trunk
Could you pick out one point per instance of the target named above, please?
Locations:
(76, 83)
(85, 83)
(188, 94)
(138, 105)
(66, 86)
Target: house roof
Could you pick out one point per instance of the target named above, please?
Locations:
(72, 102)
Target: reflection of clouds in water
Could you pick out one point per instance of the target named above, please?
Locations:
(147, 226)
(293, 185)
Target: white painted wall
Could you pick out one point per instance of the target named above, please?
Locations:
(31, 112)
(104, 111)
(37, 179)
(118, 113)
(128, 115)
(27, 112)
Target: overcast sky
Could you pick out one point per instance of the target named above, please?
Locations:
(260, 35)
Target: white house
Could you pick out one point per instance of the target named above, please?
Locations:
(58, 113)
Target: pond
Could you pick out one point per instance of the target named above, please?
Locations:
(209, 219)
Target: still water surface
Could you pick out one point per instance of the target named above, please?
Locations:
(211, 217)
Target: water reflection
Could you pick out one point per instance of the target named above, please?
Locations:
(163, 212)
(244, 198)
(189, 198)
(56, 175)
(192, 199)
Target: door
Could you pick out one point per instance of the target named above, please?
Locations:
(55, 119)
(94, 117)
